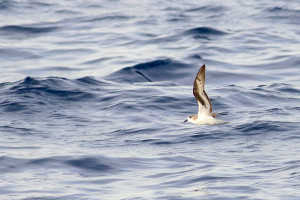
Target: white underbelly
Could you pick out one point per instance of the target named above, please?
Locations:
(209, 120)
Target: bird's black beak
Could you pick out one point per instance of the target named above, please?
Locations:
(185, 120)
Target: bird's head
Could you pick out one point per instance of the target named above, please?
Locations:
(191, 118)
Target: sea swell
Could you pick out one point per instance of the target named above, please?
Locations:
(94, 97)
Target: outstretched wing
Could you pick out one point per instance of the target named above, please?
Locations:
(200, 94)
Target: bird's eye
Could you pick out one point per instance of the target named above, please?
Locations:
(190, 116)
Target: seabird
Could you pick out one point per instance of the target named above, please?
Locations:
(205, 114)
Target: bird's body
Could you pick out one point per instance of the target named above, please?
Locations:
(204, 119)
(205, 114)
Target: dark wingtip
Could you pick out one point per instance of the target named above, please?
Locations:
(202, 69)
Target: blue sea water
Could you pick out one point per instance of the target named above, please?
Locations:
(94, 95)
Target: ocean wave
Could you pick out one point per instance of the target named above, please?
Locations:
(20, 6)
(7, 4)
(106, 18)
(26, 29)
(205, 31)
(52, 87)
(84, 164)
(261, 127)
(17, 54)
(158, 70)
(278, 9)
(88, 164)
(207, 8)
(282, 14)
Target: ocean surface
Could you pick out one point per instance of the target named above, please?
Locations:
(93, 95)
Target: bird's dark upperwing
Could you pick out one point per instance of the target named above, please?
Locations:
(199, 91)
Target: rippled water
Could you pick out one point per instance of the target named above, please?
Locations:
(94, 95)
